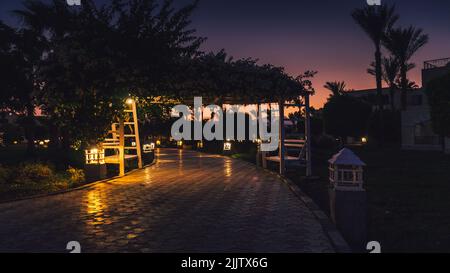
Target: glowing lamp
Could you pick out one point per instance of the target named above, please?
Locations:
(148, 148)
(200, 144)
(95, 156)
(364, 140)
(227, 146)
(158, 142)
(129, 101)
(180, 144)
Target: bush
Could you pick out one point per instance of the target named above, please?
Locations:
(76, 176)
(327, 142)
(35, 172)
(345, 116)
(5, 174)
(35, 178)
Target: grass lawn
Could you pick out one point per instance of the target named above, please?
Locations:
(408, 195)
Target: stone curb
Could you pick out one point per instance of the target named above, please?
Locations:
(85, 186)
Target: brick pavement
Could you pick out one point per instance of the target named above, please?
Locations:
(186, 202)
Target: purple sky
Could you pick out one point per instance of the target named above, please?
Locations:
(317, 35)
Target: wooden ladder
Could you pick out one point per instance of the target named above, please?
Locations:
(124, 139)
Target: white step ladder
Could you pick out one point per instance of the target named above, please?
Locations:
(123, 139)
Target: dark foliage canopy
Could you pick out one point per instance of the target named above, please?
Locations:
(91, 58)
(345, 116)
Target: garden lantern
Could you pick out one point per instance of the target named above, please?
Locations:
(200, 145)
(346, 171)
(95, 156)
(180, 144)
(95, 167)
(148, 148)
(227, 146)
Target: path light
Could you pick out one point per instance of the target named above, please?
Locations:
(180, 144)
(227, 146)
(200, 145)
(95, 156)
(148, 148)
(95, 168)
(346, 171)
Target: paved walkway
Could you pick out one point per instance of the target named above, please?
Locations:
(186, 202)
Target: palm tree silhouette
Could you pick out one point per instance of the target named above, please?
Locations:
(337, 88)
(376, 21)
(390, 75)
(403, 43)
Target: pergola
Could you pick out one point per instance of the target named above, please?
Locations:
(244, 82)
(222, 81)
(301, 101)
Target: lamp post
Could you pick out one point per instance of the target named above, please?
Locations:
(348, 199)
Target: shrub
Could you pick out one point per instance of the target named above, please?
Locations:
(345, 116)
(5, 174)
(76, 176)
(35, 172)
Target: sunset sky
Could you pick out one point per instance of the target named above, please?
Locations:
(308, 35)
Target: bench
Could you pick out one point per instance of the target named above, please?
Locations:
(292, 144)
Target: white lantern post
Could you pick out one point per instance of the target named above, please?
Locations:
(348, 199)
(346, 171)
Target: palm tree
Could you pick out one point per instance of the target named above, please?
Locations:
(376, 21)
(337, 88)
(390, 71)
(403, 43)
(391, 74)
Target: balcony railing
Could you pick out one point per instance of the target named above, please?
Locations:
(436, 63)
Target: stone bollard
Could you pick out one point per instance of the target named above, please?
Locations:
(348, 199)
(95, 172)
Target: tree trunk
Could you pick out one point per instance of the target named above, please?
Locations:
(378, 77)
(392, 95)
(379, 91)
(404, 83)
(29, 129)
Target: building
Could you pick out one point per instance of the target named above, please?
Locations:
(417, 132)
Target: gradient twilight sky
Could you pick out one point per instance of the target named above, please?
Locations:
(307, 35)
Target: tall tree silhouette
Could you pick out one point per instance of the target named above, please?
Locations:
(403, 43)
(336, 88)
(376, 21)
